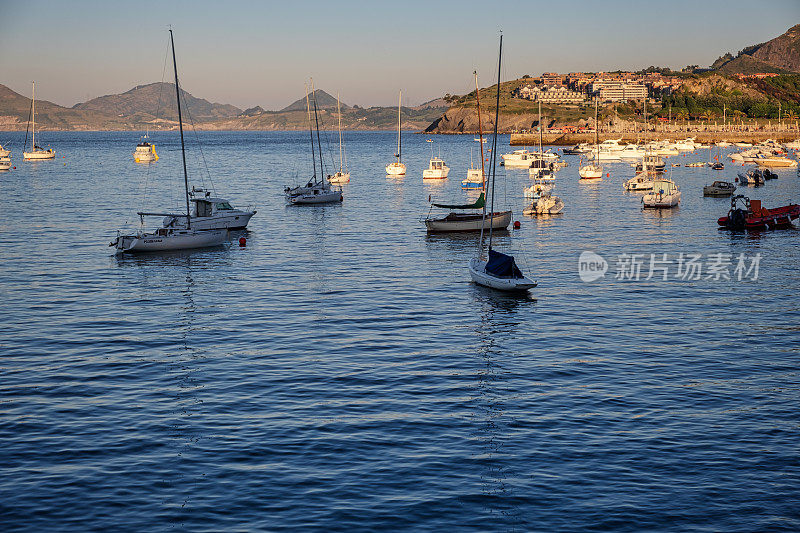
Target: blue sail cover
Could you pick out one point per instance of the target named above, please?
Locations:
(502, 266)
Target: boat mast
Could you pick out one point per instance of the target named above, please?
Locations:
(339, 112)
(180, 125)
(311, 135)
(316, 120)
(540, 125)
(493, 163)
(33, 116)
(596, 127)
(399, 145)
(480, 130)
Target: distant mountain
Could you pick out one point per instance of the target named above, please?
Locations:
(781, 54)
(157, 100)
(324, 101)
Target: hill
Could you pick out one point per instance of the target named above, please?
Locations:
(324, 101)
(781, 54)
(146, 102)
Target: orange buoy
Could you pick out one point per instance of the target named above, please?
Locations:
(517, 225)
(242, 241)
(608, 174)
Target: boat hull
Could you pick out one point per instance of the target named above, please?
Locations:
(477, 271)
(661, 201)
(339, 177)
(324, 198)
(780, 217)
(396, 169)
(164, 243)
(236, 220)
(456, 222)
(46, 154)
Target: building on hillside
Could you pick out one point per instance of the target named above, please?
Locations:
(617, 91)
(759, 75)
(552, 79)
(550, 95)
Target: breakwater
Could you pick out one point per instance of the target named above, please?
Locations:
(570, 139)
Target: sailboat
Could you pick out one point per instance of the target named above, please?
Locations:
(462, 222)
(593, 171)
(543, 163)
(343, 174)
(317, 190)
(397, 168)
(498, 270)
(145, 152)
(166, 239)
(37, 152)
(475, 177)
(643, 179)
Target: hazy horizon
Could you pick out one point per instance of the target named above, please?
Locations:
(252, 54)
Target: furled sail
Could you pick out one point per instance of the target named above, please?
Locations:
(479, 203)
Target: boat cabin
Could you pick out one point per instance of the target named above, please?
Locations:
(207, 206)
(436, 164)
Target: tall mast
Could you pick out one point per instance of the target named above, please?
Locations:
(494, 141)
(33, 116)
(311, 135)
(339, 112)
(399, 145)
(316, 121)
(540, 125)
(180, 125)
(480, 131)
(596, 127)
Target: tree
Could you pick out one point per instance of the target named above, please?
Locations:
(790, 115)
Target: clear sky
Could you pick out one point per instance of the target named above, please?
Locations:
(251, 53)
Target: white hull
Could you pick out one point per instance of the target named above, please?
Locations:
(4, 152)
(5, 164)
(463, 223)
(605, 156)
(340, 177)
(230, 221)
(777, 162)
(546, 205)
(43, 154)
(181, 240)
(144, 158)
(590, 172)
(437, 174)
(639, 183)
(655, 200)
(477, 271)
(396, 169)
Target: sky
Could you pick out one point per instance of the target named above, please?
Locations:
(249, 53)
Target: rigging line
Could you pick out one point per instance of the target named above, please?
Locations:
(158, 112)
(199, 146)
(30, 110)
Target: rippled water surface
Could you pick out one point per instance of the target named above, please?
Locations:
(340, 372)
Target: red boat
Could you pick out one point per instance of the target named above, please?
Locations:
(748, 214)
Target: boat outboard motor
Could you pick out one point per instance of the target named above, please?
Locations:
(737, 216)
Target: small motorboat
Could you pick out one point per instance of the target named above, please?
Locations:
(753, 177)
(768, 174)
(437, 170)
(640, 182)
(748, 214)
(5, 163)
(145, 152)
(719, 188)
(546, 204)
(719, 165)
(696, 164)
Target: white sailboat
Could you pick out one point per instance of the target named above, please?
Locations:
(664, 194)
(317, 190)
(397, 168)
(4, 152)
(343, 174)
(37, 152)
(167, 239)
(497, 270)
(593, 171)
